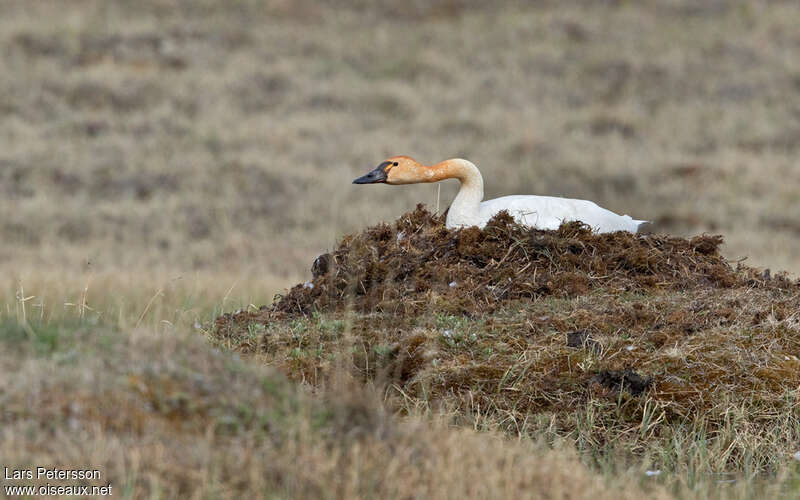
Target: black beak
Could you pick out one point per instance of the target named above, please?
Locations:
(376, 176)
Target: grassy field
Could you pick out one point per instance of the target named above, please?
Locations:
(165, 162)
(167, 417)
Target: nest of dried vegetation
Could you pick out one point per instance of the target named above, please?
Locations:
(514, 321)
(417, 264)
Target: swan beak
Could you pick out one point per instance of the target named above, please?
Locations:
(374, 177)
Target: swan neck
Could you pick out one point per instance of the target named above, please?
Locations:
(465, 207)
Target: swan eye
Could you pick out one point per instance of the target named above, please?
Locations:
(394, 164)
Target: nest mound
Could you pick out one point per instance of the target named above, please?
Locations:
(417, 264)
(528, 322)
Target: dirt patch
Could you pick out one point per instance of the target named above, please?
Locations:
(582, 339)
(615, 381)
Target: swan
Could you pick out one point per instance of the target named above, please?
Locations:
(469, 209)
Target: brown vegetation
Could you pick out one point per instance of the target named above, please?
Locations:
(167, 417)
(518, 324)
(417, 265)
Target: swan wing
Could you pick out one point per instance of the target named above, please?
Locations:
(548, 212)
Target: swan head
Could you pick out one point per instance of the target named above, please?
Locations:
(395, 170)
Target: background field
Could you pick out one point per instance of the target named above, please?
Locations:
(162, 161)
(221, 137)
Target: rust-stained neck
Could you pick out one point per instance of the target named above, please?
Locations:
(464, 211)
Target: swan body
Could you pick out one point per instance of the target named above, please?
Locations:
(469, 209)
(548, 212)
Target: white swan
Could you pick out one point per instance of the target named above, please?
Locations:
(468, 209)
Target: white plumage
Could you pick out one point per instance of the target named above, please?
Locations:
(548, 212)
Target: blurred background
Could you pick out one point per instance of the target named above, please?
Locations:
(218, 139)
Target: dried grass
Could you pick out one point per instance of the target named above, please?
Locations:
(166, 417)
